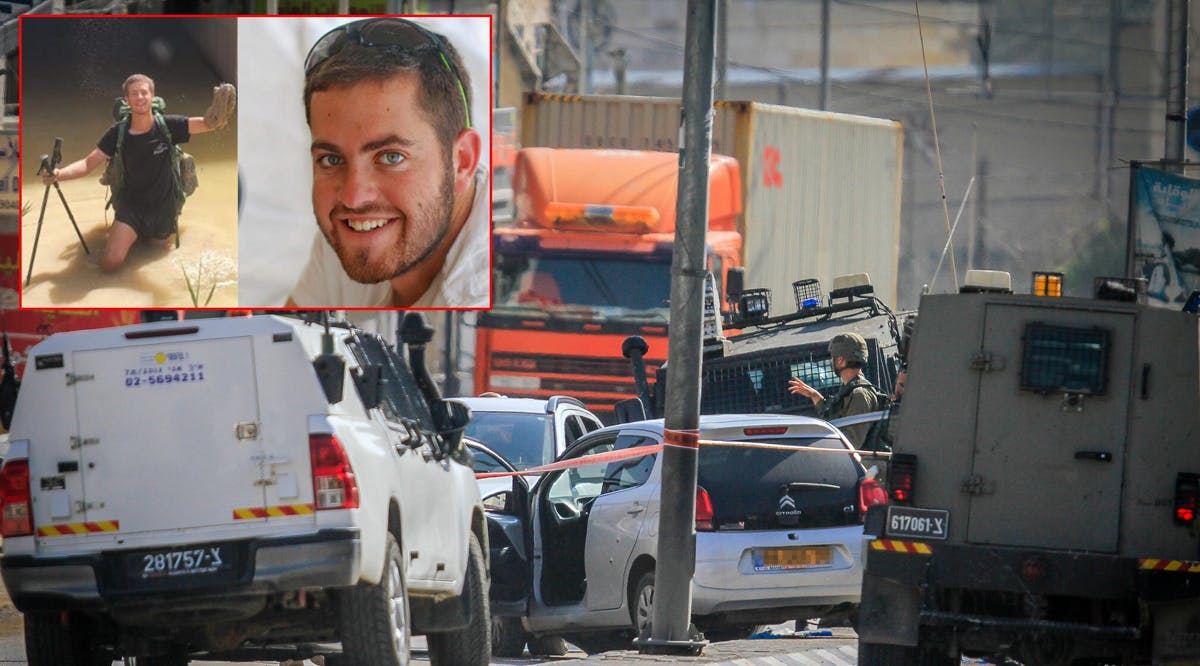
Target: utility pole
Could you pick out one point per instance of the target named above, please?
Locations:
(1112, 90)
(722, 48)
(671, 631)
(450, 386)
(826, 85)
(585, 47)
(1176, 83)
(620, 63)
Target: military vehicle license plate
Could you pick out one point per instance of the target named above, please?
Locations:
(799, 557)
(904, 521)
(154, 565)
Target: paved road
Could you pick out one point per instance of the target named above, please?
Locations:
(838, 650)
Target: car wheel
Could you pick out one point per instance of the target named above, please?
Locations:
(547, 646)
(596, 643)
(641, 606)
(879, 654)
(471, 645)
(51, 642)
(719, 634)
(166, 660)
(508, 637)
(374, 618)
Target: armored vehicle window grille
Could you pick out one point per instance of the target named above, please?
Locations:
(402, 399)
(1063, 358)
(760, 385)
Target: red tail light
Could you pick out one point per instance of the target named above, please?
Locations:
(1187, 498)
(902, 475)
(334, 485)
(704, 511)
(15, 507)
(765, 430)
(870, 494)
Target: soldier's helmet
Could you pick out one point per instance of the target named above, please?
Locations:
(850, 346)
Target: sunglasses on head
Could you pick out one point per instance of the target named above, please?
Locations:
(387, 31)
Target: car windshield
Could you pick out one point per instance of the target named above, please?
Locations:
(525, 440)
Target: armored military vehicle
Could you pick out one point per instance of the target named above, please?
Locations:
(748, 372)
(1043, 485)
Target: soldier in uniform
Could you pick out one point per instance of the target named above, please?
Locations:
(848, 355)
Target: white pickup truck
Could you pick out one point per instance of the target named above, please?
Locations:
(239, 489)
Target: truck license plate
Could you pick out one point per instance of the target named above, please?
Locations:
(162, 564)
(800, 557)
(904, 521)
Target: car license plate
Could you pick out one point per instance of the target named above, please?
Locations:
(904, 521)
(159, 565)
(799, 557)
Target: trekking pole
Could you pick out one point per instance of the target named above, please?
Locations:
(49, 163)
(72, 218)
(55, 159)
(45, 167)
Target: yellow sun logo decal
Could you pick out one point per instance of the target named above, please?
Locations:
(160, 358)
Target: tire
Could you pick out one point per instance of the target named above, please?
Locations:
(878, 654)
(471, 645)
(374, 618)
(641, 605)
(547, 646)
(49, 642)
(597, 643)
(721, 634)
(169, 660)
(508, 637)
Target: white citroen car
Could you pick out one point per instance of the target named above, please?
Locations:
(778, 530)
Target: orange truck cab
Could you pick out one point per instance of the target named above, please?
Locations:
(588, 263)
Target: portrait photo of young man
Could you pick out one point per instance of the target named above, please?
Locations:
(395, 121)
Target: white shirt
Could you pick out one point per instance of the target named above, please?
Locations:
(463, 282)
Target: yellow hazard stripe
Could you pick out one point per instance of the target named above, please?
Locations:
(892, 546)
(68, 529)
(1183, 566)
(272, 511)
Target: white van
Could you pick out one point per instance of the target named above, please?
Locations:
(238, 488)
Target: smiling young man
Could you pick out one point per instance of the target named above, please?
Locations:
(145, 204)
(399, 193)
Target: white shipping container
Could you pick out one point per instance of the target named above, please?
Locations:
(821, 190)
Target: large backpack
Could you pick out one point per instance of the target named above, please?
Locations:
(183, 166)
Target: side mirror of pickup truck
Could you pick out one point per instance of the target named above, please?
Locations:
(331, 371)
(450, 418)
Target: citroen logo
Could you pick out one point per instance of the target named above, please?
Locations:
(786, 503)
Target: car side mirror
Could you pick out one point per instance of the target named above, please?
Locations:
(629, 410)
(450, 418)
(331, 371)
(368, 379)
(501, 502)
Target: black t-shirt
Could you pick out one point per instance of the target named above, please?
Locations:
(148, 185)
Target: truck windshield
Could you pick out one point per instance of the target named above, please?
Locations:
(541, 282)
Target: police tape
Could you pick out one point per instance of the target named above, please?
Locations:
(606, 457)
(642, 451)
